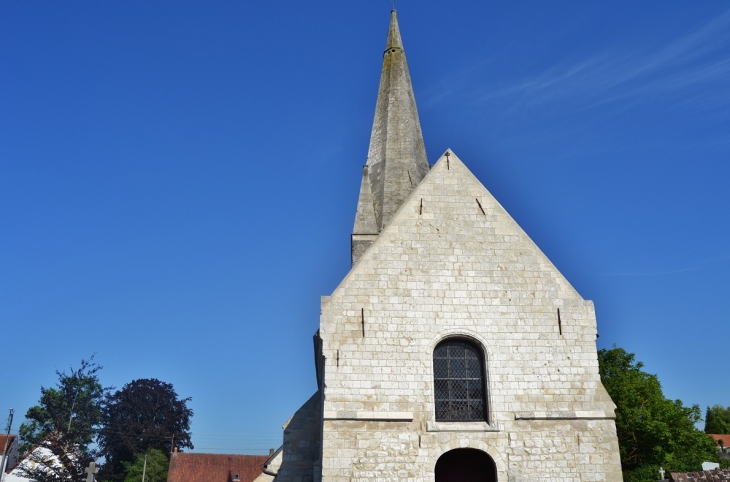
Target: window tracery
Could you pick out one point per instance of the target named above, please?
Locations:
(459, 384)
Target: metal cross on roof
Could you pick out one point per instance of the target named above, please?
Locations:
(91, 470)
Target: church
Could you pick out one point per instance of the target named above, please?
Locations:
(453, 350)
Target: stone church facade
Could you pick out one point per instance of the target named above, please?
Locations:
(453, 349)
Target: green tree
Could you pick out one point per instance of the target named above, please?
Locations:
(652, 430)
(154, 471)
(65, 422)
(144, 414)
(717, 420)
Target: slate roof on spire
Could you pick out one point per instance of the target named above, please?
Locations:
(397, 156)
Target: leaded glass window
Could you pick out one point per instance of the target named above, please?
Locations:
(459, 387)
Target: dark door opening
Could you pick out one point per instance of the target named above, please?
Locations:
(465, 465)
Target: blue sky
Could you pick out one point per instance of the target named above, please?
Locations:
(178, 180)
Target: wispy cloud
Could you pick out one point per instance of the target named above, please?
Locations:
(694, 68)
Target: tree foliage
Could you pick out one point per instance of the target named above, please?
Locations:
(652, 430)
(717, 420)
(154, 471)
(145, 414)
(64, 423)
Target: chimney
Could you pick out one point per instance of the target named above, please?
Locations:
(271, 452)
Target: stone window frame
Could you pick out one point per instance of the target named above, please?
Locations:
(487, 425)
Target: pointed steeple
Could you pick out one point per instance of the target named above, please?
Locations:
(397, 156)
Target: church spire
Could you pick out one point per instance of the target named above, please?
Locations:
(397, 157)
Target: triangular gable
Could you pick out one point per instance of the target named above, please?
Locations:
(453, 262)
(451, 205)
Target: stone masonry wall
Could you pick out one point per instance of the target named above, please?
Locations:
(452, 262)
(564, 451)
(301, 449)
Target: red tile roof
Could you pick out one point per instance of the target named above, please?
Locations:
(704, 476)
(10, 443)
(725, 439)
(194, 467)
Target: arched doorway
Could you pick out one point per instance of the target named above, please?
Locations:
(465, 465)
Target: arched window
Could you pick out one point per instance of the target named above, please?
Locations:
(459, 387)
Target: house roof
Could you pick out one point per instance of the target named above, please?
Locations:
(195, 467)
(704, 476)
(3, 437)
(717, 437)
(10, 442)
